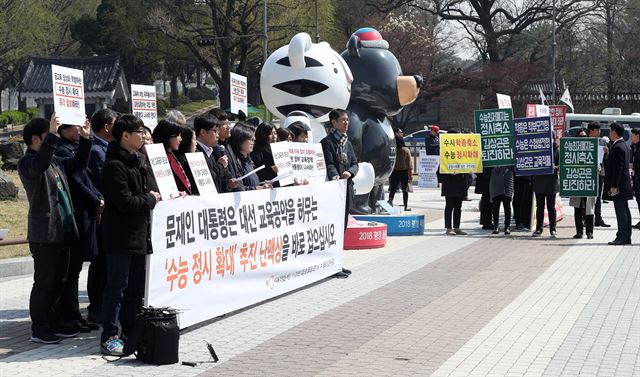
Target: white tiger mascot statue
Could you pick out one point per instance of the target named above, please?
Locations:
(306, 77)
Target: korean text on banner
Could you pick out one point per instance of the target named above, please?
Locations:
(496, 129)
(427, 170)
(280, 153)
(239, 249)
(504, 101)
(143, 104)
(68, 95)
(307, 161)
(162, 171)
(238, 93)
(534, 110)
(201, 174)
(460, 153)
(558, 115)
(578, 166)
(534, 146)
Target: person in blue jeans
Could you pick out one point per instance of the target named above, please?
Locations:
(125, 231)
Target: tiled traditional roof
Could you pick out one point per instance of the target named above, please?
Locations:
(101, 73)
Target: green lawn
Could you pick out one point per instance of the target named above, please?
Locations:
(195, 106)
(13, 215)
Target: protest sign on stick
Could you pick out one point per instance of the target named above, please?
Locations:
(578, 166)
(534, 146)
(68, 95)
(143, 104)
(496, 129)
(238, 93)
(460, 153)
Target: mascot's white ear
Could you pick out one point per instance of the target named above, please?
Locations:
(300, 43)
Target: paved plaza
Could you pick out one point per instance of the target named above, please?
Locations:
(439, 305)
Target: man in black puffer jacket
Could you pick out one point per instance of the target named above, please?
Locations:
(125, 231)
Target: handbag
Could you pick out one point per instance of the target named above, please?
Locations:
(155, 337)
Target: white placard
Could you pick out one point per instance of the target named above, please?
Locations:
(307, 161)
(600, 154)
(238, 93)
(143, 104)
(504, 101)
(254, 171)
(280, 153)
(162, 171)
(215, 255)
(201, 174)
(542, 111)
(68, 95)
(427, 170)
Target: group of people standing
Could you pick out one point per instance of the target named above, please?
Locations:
(91, 191)
(499, 186)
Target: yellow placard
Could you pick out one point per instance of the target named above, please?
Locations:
(460, 153)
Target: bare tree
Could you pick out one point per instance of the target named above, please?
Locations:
(491, 24)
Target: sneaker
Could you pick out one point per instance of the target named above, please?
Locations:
(537, 233)
(112, 347)
(589, 236)
(46, 338)
(507, 231)
(450, 232)
(496, 230)
(67, 331)
(553, 234)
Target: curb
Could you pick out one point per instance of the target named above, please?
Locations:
(16, 266)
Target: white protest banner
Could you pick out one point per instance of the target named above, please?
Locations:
(201, 174)
(162, 171)
(427, 169)
(68, 95)
(504, 101)
(143, 104)
(214, 255)
(238, 93)
(280, 152)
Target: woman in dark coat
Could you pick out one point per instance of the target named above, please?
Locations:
(546, 187)
(501, 189)
(482, 188)
(187, 145)
(455, 188)
(241, 144)
(169, 134)
(265, 135)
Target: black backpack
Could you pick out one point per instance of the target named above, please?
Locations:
(155, 337)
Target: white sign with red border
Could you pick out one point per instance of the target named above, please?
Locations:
(68, 95)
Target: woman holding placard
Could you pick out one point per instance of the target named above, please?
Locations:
(583, 208)
(187, 145)
(501, 189)
(262, 155)
(241, 143)
(168, 134)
